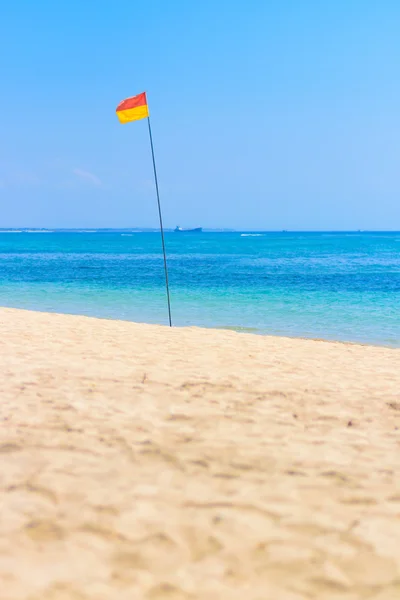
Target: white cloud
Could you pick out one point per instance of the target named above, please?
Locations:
(88, 177)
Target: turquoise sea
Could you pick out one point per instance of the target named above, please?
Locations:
(339, 286)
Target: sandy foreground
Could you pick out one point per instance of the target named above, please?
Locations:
(142, 462)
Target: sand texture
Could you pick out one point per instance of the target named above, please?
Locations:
(142, 462)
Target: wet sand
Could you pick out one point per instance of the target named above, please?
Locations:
(143, 462)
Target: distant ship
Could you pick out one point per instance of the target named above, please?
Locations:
(180, 230)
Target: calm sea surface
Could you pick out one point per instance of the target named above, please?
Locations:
(340, 286)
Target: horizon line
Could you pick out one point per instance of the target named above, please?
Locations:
(89, 229)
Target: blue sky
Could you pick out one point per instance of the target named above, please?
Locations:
(273, 114)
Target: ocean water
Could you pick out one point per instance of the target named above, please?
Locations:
(337, 286)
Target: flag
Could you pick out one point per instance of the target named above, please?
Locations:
(133, 109)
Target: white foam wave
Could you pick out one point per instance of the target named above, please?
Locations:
(251, 235)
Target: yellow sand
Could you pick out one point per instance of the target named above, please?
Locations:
(142, 462)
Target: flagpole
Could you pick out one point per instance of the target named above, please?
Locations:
(161, 224)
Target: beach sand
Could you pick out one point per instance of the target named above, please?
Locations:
(143, 462)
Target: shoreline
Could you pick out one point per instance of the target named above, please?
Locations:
(228, 328)
(139, 461)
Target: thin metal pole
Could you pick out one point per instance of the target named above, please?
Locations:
(161, 224)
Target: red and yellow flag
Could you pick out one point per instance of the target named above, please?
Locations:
(133, 109)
